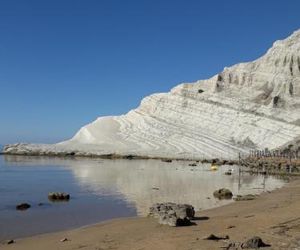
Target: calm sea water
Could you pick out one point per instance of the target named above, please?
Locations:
(105, 189)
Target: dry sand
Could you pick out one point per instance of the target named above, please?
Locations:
(275, 217)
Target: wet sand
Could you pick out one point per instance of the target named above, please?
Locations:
(275, 217)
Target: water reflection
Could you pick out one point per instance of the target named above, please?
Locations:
(144, 182)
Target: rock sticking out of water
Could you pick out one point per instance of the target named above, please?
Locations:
(57, 196)
(23, 206)
(173, 214)
(166, 160)
(223, 193)
(229, 172)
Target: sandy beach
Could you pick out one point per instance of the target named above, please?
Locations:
(273, 216)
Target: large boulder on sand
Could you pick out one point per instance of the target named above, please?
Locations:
(172, 214)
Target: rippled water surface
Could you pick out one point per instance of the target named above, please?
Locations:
(106, 189)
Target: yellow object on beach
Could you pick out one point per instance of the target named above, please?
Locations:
(213, 167)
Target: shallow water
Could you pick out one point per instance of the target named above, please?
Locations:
(105, 189)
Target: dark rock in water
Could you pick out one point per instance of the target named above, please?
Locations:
(166, 160)
(247, 197)
(173, 214)
(57, 196)
(255, 242)
(214, 237)
(193, 164)
(216, 161)
(129, 157)
(23, 206)
(228, 172)
(223, 193)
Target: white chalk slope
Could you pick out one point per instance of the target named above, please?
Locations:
(249, 105)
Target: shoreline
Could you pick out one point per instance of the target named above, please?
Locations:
(275, 166)
(272, 216)
(117, 156)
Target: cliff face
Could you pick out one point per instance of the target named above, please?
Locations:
(247, 106)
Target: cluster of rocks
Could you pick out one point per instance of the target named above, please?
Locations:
(271, 165)
(219, 162)
(225, 193)
(173, 214)
(53, 196)
(252, 243)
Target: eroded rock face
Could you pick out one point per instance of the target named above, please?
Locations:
(173, 214)
(252, 105)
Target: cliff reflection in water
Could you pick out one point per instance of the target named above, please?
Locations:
(144, 182)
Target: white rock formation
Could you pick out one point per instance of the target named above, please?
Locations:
(249, 105)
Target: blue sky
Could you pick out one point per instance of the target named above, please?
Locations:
(63, 63)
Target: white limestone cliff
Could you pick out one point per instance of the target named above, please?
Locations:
(246, 106)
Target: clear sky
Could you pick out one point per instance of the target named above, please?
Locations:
(63, 63)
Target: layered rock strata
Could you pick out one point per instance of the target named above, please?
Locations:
(252, 105)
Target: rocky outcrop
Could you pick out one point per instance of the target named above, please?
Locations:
(252, 105)
(172, 214)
